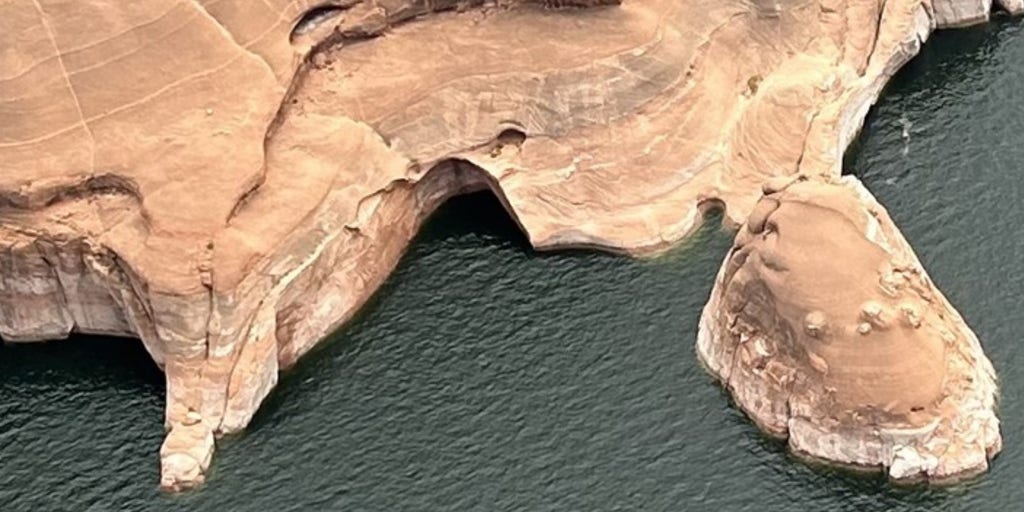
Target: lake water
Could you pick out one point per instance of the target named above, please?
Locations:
(488, 377)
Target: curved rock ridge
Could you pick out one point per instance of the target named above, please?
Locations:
(230, 181)
(827, 331)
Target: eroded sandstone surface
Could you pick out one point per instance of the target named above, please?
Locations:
(828, 332)
(230, 180)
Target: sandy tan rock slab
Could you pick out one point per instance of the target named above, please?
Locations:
(952, 13)
(231, 180)
(826, 330)
(1012, 6)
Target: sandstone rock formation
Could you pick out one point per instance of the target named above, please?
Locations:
(230, 180)
(826, 330)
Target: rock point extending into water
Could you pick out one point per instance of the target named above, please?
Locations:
(917, 397)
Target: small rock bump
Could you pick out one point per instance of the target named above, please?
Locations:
(911, 315)
(815, 324)
(871, 309)
(864, 328)
(873, 312)
(890, 284)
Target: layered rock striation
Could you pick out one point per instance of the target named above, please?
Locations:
(229, 181)
(828, 332)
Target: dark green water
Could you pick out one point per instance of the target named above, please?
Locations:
(486, 377)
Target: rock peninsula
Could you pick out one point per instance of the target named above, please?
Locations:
(828, 332)
(229, 180)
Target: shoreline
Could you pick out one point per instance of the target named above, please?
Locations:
(225, 323)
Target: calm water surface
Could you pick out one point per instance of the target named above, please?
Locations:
(487, 377)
